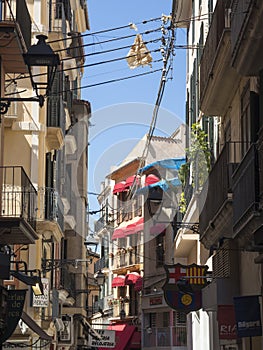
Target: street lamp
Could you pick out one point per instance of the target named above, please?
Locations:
(162, 212)
(100, 278)
(91, 242)
(38, 55)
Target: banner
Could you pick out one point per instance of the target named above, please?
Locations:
(42, 300)
(247, 312)
(14, 306)
(226, 322)
(181, 301)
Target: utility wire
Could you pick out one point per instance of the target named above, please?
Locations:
(107, 30)
(110, 40)
(117, 80)
(109, 50)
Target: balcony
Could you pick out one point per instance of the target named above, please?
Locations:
(124, 259)
(50, 213)
(217, 77)
(15, 28)
(55, 120)
(158, 337)
(246, 36)
(216, 216)
(18, 207)
(247, 216)
(101, 264)
(59, 24)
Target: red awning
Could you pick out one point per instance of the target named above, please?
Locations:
(119, 187)
(135, 227)
(123, 336)
(135, 342)
(131, 278)
(118, 281)
(151, 179)
(138, 284)
(118, 233)
(134, 179)
(157, 228)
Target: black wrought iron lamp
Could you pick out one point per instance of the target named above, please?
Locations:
(161, 211)
(38, 55)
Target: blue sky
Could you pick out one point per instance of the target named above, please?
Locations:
(122, 111)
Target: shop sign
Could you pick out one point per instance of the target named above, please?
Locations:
(107, 339)
(15, 300)
(42, 300)
(247, 313)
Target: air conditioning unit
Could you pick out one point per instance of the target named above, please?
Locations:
(59, 324)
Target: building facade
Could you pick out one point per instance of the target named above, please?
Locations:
(132, 253)
(43, 177)
(224, 93)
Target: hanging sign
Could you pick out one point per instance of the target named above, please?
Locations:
(247, 312)
(15, 300)
(42, 300)
(226, 322)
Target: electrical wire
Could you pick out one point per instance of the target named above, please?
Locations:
(117, 80)
(110, 40)
(109, 50)
(107, 30)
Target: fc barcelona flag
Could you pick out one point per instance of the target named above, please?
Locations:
(182, 289)
(183, 301)
(193, 275)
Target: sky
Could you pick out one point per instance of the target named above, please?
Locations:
(122, 110)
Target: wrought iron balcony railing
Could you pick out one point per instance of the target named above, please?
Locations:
(18, 195)
(17, 11)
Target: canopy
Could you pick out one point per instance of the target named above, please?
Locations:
(131, 278)
(165, 185)
(129, 228)
(126, 337)
(118, 233)
(135, 227)
(151, 179)
(118, 281)
(119, 187)
(138, 284)
(171, 163)
(134, 179)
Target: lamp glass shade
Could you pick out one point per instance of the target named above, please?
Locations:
(41, 55)
(100, 278)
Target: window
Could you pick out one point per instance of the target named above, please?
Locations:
(245, 120)
(166, 319)
(210, 10)
(160, 250)
(179, 318)
(193, 22)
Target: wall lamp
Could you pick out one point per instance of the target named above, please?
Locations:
(100, 277)
(162, 210)
(29, 277)
(91, 242)
(38, 55)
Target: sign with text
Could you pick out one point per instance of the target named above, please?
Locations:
(42, 300)
(226, 322)
(107, 339)
(14, 307)
(247, 312)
